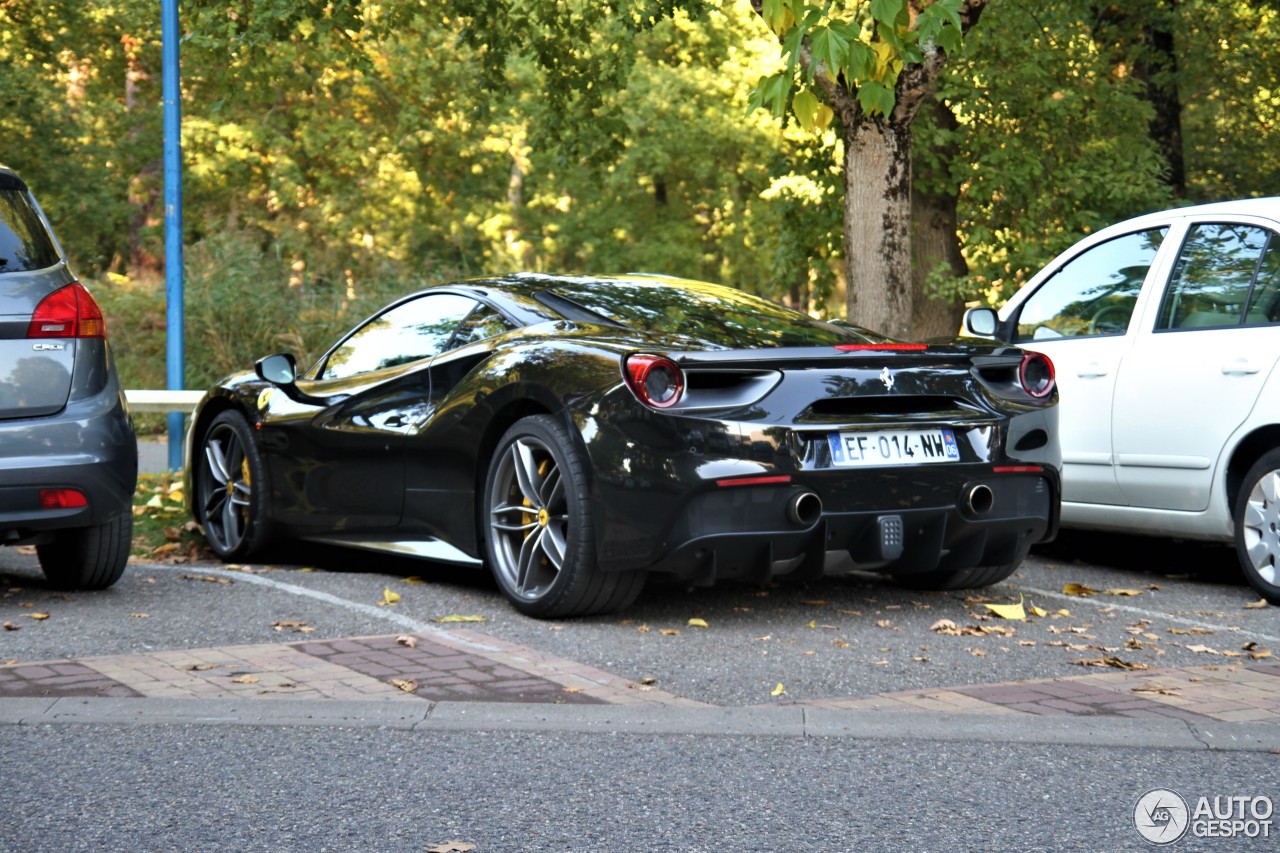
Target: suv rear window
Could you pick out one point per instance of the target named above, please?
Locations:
(24, 244)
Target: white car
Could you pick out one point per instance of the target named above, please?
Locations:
(1165, 334)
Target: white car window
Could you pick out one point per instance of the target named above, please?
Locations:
(1225, 276)
(1094, 293)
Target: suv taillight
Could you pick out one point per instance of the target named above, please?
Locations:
(68, 312)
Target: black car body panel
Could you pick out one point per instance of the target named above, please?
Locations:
(706, 488)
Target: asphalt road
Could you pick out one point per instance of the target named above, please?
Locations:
(844, 636)
(250, 787)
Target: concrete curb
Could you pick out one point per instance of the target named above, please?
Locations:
(792, 721)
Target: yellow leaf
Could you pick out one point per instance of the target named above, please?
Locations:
(813, 623)
(455, 617)
(698, 623)
(245, 679)
(1122, 592)
(388, 597)
(1079, 589)
(1037, 611)
(414, 579)
(156, 502)
(823, 117)
(39, 617)
(1008, 611)
(1062, 612)
(1260, 604)
(779, 690)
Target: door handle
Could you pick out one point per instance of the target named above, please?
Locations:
(1092, 370)
(1240, 367)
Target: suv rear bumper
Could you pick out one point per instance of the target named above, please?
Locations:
(90, 446)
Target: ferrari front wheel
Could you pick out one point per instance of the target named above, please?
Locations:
(230, 489)
(539, 532)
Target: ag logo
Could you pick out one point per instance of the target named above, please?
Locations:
(1161, 816)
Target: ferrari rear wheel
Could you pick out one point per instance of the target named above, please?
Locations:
(1258, 526)
(539, 527)
(230, 489)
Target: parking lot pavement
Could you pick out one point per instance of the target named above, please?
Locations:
(464, 665)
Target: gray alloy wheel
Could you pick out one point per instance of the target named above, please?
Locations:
(230, 481)
(538, 523)
(88, 557)
(1257, 528)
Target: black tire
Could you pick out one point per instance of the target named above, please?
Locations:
(537, 521)
(971, 578)
(1257, 526)
(231, 489)
(88, 557)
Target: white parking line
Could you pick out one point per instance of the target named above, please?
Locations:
(1150, 614)
(385, 613)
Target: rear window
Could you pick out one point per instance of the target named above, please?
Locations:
(715, 315)
(24, 244)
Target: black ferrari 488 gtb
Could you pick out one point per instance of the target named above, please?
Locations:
(577, 433)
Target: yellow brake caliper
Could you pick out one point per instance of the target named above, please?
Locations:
(543, 516)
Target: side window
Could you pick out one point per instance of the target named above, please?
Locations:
(1094, 293)
(24, 244)
(1221, 279)
(408, 332)
(482, 323)
(1264, 302)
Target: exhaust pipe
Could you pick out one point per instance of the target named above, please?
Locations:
(979, 499)
(804, 509)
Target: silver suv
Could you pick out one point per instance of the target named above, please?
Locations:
(68, 454)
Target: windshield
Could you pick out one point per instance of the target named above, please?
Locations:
(716, 315)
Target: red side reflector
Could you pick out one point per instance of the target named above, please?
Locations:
(756, 481)
(1018, 469)
(62, 499)
(881, 347)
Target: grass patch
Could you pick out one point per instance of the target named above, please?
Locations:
(162, 528)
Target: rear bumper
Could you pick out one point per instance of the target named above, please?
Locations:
(752, 533)
(89, 446)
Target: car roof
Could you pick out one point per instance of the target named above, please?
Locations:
(9, 179)
(1263, 207)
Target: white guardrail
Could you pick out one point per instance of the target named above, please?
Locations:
(162, 401)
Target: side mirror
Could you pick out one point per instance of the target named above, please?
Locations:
(277, 369)
(282, 372)
(982, 322)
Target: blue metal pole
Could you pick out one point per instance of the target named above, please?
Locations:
(174, 361)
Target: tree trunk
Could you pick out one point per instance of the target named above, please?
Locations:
(935, 239)
(877, 225)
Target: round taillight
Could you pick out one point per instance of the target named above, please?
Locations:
(655, 380)
(1036, 375)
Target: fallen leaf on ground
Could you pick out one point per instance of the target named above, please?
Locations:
(201, 667)
(1260, 654)
(1129, 592)
(779, 690)
(944, 626)
(880, 623)
(245, 679)
(1113, 662)
(1039, 611)
(1190, 631)
(816, 602)
(389, 597)
(9, 626)
(1159, 691)
(406, 640)
(414, 579)
(698, 623)
(207, 579)
(669, 632)
(139, 615)
(1079, 589)
(39, 617)
(1008, 611)
(455, 617)
(408, 685)
(1202, 649)
(642, 629)
(451, 847)
(1260, 604)
(293, 625)
(840, 644)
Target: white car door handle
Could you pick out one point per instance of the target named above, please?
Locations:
(1092, 370)
(1239, 367)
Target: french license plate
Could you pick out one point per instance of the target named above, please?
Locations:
(899, 447)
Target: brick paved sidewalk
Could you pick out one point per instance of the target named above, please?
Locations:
(465, 665)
